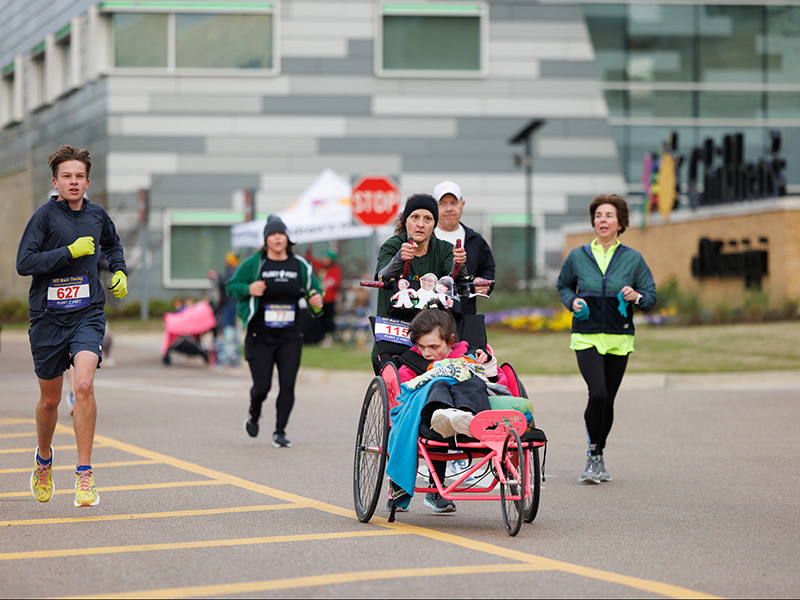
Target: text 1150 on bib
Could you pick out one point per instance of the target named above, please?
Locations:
(391, 330)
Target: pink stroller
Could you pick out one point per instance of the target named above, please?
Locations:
(182, 331)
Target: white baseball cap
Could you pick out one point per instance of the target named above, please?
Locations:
(447, 187)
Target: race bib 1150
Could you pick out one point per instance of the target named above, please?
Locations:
(391, 330)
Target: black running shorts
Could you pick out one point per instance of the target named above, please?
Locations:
(53, 346)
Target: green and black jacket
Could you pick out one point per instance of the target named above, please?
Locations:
(581, 277)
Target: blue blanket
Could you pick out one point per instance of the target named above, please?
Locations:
(402, 465)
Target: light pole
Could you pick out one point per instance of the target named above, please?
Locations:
(526, 160)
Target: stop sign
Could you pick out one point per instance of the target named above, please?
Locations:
(375, 201)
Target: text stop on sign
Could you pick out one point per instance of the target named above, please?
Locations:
(375, 201)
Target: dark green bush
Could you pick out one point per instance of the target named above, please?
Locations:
(13, 309)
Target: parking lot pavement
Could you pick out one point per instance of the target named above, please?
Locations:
(703, 502)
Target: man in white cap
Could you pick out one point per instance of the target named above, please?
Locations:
(480, 262)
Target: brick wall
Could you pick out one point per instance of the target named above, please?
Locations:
(668, 247)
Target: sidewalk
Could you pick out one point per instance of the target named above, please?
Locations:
(149, 343)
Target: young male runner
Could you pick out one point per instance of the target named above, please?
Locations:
(66, 310)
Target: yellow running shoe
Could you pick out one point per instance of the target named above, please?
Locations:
(42, 485)
(85, 492)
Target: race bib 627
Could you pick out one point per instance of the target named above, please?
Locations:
(67, 293)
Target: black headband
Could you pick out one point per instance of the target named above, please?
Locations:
(424, 201)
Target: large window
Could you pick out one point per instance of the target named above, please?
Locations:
(223, 41)
(11, 107)
(730, 44)
(37, 92)
(203, 36)
(65, 74)
(196, 241)
(432, 39)
(701, 69)
(660, 42)
(140, 40)
(783, 44)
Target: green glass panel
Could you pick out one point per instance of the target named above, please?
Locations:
(606, 23)
(643, 140)
(214, 41)
(730, 40)
(196, 249)
(660, 42)
(731, 105)
(615, 99)
(783, 44)
(510, 243)
(660, 103)
(783, 105)
(431, 43)
(140, 40)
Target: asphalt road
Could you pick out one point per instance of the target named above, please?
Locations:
(704, 500)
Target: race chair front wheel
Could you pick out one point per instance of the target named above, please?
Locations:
(512, 491)
(370, 455)
(531, 504)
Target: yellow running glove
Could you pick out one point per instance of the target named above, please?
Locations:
(83, 246)
(119, 285)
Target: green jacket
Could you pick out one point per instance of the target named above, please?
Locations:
(238, 286)
(581, 277)
(438, 260)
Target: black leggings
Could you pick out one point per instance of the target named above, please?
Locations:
(603, 374)
(262, 355)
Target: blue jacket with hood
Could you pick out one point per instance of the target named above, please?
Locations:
(43, 253)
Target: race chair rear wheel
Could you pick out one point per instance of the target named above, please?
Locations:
(534, 474)
(515, 474)
(370, 452)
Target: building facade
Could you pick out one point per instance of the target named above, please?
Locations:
(198, 105)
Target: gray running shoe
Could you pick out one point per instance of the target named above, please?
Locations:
(591, 473)
(435, 501)
(279, 441)
(601, 471)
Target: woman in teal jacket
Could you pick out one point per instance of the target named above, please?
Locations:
(599, 282)
(268, 287)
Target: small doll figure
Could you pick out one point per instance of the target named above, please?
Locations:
(444, 291)
(426, 292)
(404, 298)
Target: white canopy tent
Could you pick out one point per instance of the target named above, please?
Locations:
(321, 213)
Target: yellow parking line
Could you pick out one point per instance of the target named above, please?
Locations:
(655, 587)
(274, 539)
(127, 488)
(120, 463)
(542, 563)
(4, 436)
(316, 581)
(32, 449)
(154, 515)
(16, 421)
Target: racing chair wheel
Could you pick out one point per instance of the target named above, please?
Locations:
(371, 449)
(515, 474)
(534, 480)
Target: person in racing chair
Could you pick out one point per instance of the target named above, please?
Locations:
(448, 407)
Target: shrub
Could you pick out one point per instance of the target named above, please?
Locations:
(723, 312)
(13, 309)
(756, 307)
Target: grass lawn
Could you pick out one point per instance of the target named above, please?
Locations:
(669, 349)
(673, 349)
